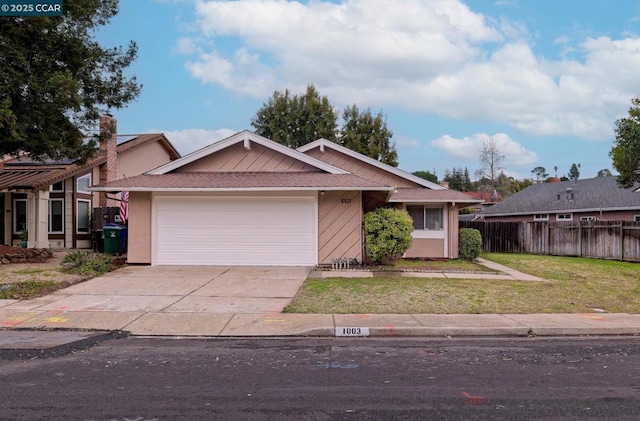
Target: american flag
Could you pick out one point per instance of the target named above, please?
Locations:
(124, 206)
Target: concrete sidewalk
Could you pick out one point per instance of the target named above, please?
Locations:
(223, 302)
(323, 325)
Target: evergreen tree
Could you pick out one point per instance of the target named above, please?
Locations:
(57, 80)
(295, 120)
(368, 134)
(574, 172)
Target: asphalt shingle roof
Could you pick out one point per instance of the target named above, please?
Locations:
(600, 193)
(243, 180)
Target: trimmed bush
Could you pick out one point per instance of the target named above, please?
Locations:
(470, 244)
(387, 234)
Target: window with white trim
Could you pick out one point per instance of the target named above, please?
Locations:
(56, 216)
(83, 183)
(541, 217)
(20, 207)
(564, 217)
(636, 218)
(426, 218)
(83, 207)
(57, 187)
(588, 218)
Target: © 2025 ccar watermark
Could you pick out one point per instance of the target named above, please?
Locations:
(30, 7)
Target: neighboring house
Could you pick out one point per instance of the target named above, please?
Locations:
(580, 200)
(247, 200)
(52, 199)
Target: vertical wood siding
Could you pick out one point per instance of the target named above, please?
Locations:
(339, 226)
(237, 158)
(360, 168)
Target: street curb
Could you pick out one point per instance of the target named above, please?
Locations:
(60, 349)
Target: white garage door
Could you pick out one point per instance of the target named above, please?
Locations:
(266, 231)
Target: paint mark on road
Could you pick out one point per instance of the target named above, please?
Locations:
(474, 400)
(56, 320)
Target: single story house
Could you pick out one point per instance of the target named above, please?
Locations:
(574, 200)
(247, 200)
(52, 200)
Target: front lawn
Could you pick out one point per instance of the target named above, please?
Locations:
(575, 285)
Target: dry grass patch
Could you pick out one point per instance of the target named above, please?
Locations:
(575, 285)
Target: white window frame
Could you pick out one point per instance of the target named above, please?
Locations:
(55, 199)
(636, 218)
(541, 217)
(16, 228)
(78, 183)
(51, 189)
(424, 216)
(564, 217)
(589, 218)
(78, 216)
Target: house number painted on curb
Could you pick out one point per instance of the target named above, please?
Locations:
(352, 331)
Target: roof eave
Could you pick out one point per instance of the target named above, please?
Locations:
(555, 211)
(233, 189)
(238, 137)
(370, 161)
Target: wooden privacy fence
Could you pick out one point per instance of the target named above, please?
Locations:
(617, 240)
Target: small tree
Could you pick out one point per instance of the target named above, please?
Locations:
(574, 172)
(540, 173)
(387, 234)
(626, 150)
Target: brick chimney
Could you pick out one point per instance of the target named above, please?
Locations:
(108, 145)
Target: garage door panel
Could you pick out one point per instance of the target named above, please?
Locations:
(236, 231)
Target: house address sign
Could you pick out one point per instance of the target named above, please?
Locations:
(345, 200)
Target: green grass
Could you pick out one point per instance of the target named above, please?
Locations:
(574, 285)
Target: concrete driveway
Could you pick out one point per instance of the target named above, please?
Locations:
(181, 289)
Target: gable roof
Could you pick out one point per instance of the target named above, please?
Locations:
(587, 195)
(25, 173)
(238, 181)
(247, 137)
(324, 143)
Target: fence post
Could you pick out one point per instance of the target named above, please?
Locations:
(579, 238)
(622, 241)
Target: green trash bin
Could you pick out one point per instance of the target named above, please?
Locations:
(112, 239)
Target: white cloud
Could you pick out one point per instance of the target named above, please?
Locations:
(407, 142)
(468, 148)
(436, 57)
(189, 140)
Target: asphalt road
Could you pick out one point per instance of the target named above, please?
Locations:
(329, 379)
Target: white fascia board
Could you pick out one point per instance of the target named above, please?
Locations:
(557, 211)
(232, 189)
(393, 170)
(246, 136)
(472, 201)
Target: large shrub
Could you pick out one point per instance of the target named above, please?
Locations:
(470, 243)
(387, 234)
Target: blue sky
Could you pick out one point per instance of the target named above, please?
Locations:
(545, 79)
